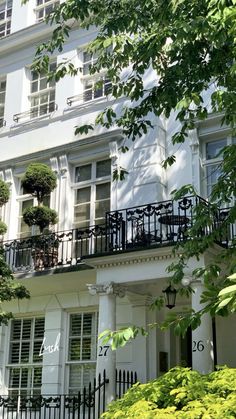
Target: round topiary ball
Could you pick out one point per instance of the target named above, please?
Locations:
(39, 180)
(40, 216)
(4, 193)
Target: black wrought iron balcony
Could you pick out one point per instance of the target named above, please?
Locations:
(152, 225)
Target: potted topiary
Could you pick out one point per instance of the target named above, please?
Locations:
(39, 181)
(4, 197)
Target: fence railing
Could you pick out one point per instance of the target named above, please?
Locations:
(87, 404)
(158, 224)
(124, 381)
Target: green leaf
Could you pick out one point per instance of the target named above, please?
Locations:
(227, 290)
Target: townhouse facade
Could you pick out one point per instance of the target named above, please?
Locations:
(105, 261)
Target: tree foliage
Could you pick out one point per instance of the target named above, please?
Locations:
(4, 193)
(41, 216)
(39, 181)
(180, 393)
(9, 289)
(190, 47)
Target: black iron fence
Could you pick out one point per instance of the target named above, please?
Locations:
(87, 404)
(158, 224)
(124, 381)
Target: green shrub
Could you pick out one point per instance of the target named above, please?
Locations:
(40, 216)
(3, 228)
(39, 180)
(180, 393)
(4, 193)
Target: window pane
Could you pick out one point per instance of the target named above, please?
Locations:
(103, 191)
(101, 208)
(86, 348)
(213, 148)
(26, 332)
(25, 350)
(37, 380)
(82, 213)
(39, 328)
(75, 325)
(83, 173)
(74, 349)
(103, 168)
(212, 173)
(16, 329)
(83, 195)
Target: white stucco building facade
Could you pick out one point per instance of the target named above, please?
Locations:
(124, 261)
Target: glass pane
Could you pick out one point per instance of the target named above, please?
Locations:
(103, 168)
(212, 172)
(14, 379)
(82, 213)
(103, 191)
(39, 328)
(26, 332)
(26, 204)
(213, 148)
(37, 380)
(101, 208)
(83, 173)
(75, 380)
(43, 83)
(87, 323)
(87, 56)
(25, 349)
(74, 349)
(24, 377)
(14, 355)
(83, 195)
(36, 351)
(34, 86)
(16, 329)
(86, 348)
(75, 325)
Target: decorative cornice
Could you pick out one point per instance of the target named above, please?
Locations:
(129, 259)
(70, 146)
(106, 289)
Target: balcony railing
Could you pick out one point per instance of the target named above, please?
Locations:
(153, 225)
(35, 112)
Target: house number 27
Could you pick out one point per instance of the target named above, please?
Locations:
(103, 350)
(198, 346)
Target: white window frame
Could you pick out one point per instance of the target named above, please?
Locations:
(6, 20)
(49, 106)
(206, 163)
(80, 362)
(91, 93)
(43, 8)
(2, 102)
(31, 366)
(92, 183)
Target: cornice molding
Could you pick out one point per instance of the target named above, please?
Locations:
(68, 147)
(124, 259)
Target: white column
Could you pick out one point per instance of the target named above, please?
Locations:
(202, 339)
(52, 357)
(106, 358)
(140, 346)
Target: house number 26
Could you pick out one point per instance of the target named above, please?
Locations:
(198, 346)
(103, 350)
